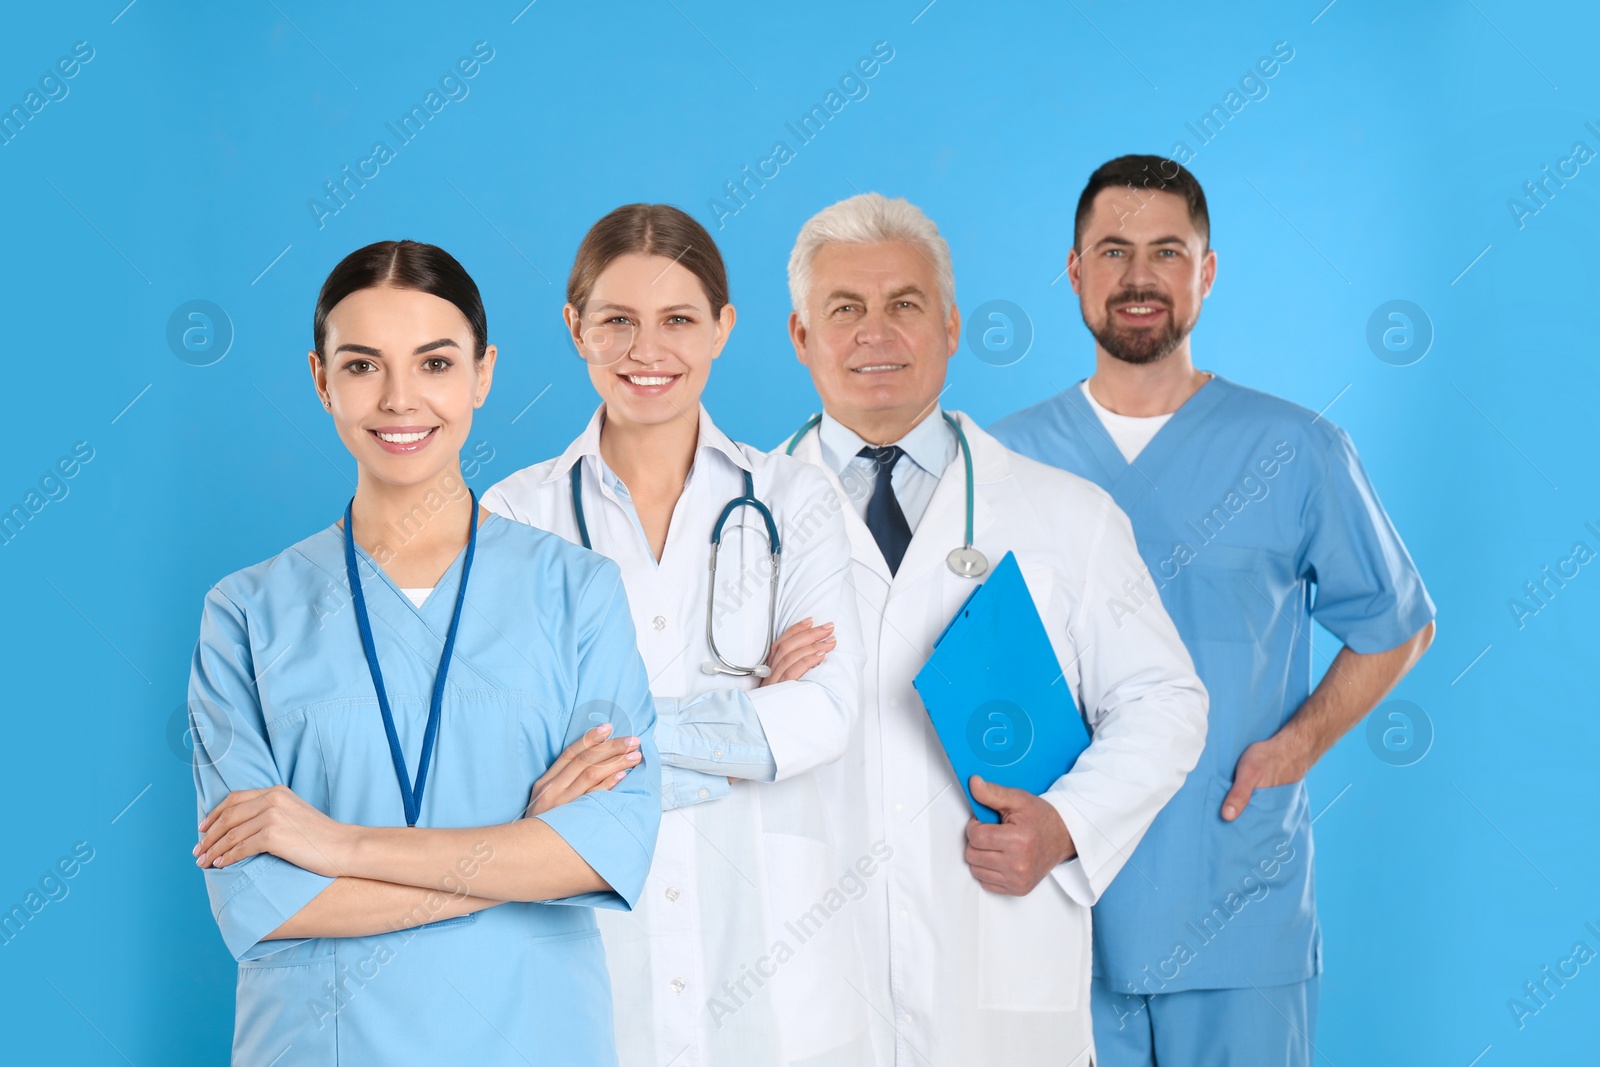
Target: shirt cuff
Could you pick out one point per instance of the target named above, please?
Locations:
(253, 898)
(682, 787)
(1073, 875)
(716, 733)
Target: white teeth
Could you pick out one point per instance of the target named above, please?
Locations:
(1141, 310)
(403, 438)
(878, 367)
(649, 379)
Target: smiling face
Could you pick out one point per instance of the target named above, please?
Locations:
(648, 336)
(878, 342)
(1141, 273)
(401, 382)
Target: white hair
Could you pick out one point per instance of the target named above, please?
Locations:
(868, 219)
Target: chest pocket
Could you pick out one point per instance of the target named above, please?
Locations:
(1051, 599)
(1221, 593)
(491, 747)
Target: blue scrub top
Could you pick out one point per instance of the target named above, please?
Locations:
(1254, 517)
(280, 693)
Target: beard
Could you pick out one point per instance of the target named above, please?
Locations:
(1139, 344)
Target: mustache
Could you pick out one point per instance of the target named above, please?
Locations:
(1139, 296)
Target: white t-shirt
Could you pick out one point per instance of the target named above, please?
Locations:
(417, 596)
(1130, 433)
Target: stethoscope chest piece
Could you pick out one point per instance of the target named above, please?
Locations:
(967, 562)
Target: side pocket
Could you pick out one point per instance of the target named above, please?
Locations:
(285, 1002)
(1013, 975)
(814, 903)
(1258, 846)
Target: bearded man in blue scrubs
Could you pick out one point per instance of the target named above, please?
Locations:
(1255, 518)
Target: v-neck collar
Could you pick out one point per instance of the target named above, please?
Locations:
(1125, 479)
(448, 581)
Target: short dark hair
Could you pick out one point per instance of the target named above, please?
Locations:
(1156, 173)
(403, 265)
(650, 230)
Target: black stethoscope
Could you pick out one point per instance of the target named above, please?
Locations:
(966, 561)
(718, 664)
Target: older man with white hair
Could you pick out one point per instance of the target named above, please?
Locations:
(976, 936)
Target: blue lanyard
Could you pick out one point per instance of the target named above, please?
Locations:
(409, 795)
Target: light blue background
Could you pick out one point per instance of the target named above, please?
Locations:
(1378, 167)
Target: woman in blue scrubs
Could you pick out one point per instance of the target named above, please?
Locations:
(425, 748)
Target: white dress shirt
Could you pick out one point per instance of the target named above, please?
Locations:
(930, 445)
(727, 960)
(956, 974)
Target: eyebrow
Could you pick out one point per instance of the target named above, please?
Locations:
(662, 311)
(1170, 239)
(846, 294)
(365, 350)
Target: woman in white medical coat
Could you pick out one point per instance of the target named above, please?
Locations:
(406, 823)
(737, 954)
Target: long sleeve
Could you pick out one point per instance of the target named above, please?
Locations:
(807, 723)
(613, 830)
(718, 732)
(233, 751)
(1146, 709)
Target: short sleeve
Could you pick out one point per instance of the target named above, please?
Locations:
(232, 751)
(613, 830)
(1368, 592)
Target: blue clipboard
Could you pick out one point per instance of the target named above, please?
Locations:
(995, 692)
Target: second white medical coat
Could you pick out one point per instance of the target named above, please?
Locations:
(957, 974)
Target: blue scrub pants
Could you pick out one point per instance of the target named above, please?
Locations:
(1257, 1026)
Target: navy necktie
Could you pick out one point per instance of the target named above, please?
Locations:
(884, 517)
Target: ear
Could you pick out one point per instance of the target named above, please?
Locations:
(797, 335)
(1075, 270)
(952, 329)
(485, 375)
(725, 322)
(319, 378)
(1208, 272)
(574, 322)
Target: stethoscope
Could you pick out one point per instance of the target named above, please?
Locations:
(718, 664)
(966, 561)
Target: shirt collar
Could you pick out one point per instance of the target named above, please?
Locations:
(588, 444)
(930, 444)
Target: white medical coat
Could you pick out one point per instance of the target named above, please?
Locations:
(740, 951)
(957, 974)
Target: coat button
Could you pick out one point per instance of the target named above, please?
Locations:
(704, 793)
(677, 985)
(672, 892)
(659, 622)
